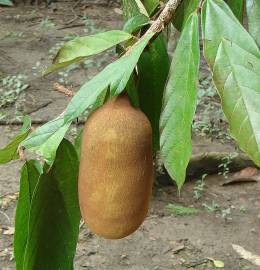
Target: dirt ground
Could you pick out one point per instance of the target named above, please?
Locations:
(227, 214)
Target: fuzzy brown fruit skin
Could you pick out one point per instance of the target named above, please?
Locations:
(116, 169)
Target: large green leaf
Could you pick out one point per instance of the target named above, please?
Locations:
(30, 174)
(82, 47)
(253, 15)
(179, 102)
(9, 152)
(183, 12)
(237, 78)
(6, 3)
(237, 7)
(235, 61)
(153, 69)
(219, 22)
(114, 77)
(54, 215)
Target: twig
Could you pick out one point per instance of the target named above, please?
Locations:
(21, 153)
(6, 216)
(200, 5)
(61, 88)
(72, 26)
(165, 17)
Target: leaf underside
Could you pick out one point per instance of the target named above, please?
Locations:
(179, 103)
(234, 59)
(253, 15)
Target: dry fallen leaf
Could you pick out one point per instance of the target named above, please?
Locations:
(118, 11)
(247, 255)
(8, 231)
(6, 199)
(249, 174)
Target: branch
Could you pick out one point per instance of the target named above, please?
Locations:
(165, 17)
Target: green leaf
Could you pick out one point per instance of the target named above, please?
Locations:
(153, 69)
(151, 5)
(46, 139)
(133, 8)
(54, 215)
(136, 23)
(82, 47)
(30, 174)
(179, 103)
(183, 12)
(236, 75)
(9, 152)
(237, 7)
(6, 3)
(235, 62)
(253, 15)
(115, 77)
(219, 22)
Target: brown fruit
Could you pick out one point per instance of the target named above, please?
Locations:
(116, 169)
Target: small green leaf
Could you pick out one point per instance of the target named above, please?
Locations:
(30, 174)
(46, 139)
(234, 59)
(179, 103)
(181, 210)
(153, 68)
(6, 3)
(217, 263)
(237, 7)
(136, 23)
(9, 152)
(253, 15)
(54, 215)
(183, 12)
(82, 47)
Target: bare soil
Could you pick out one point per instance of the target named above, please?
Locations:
(166, 240)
